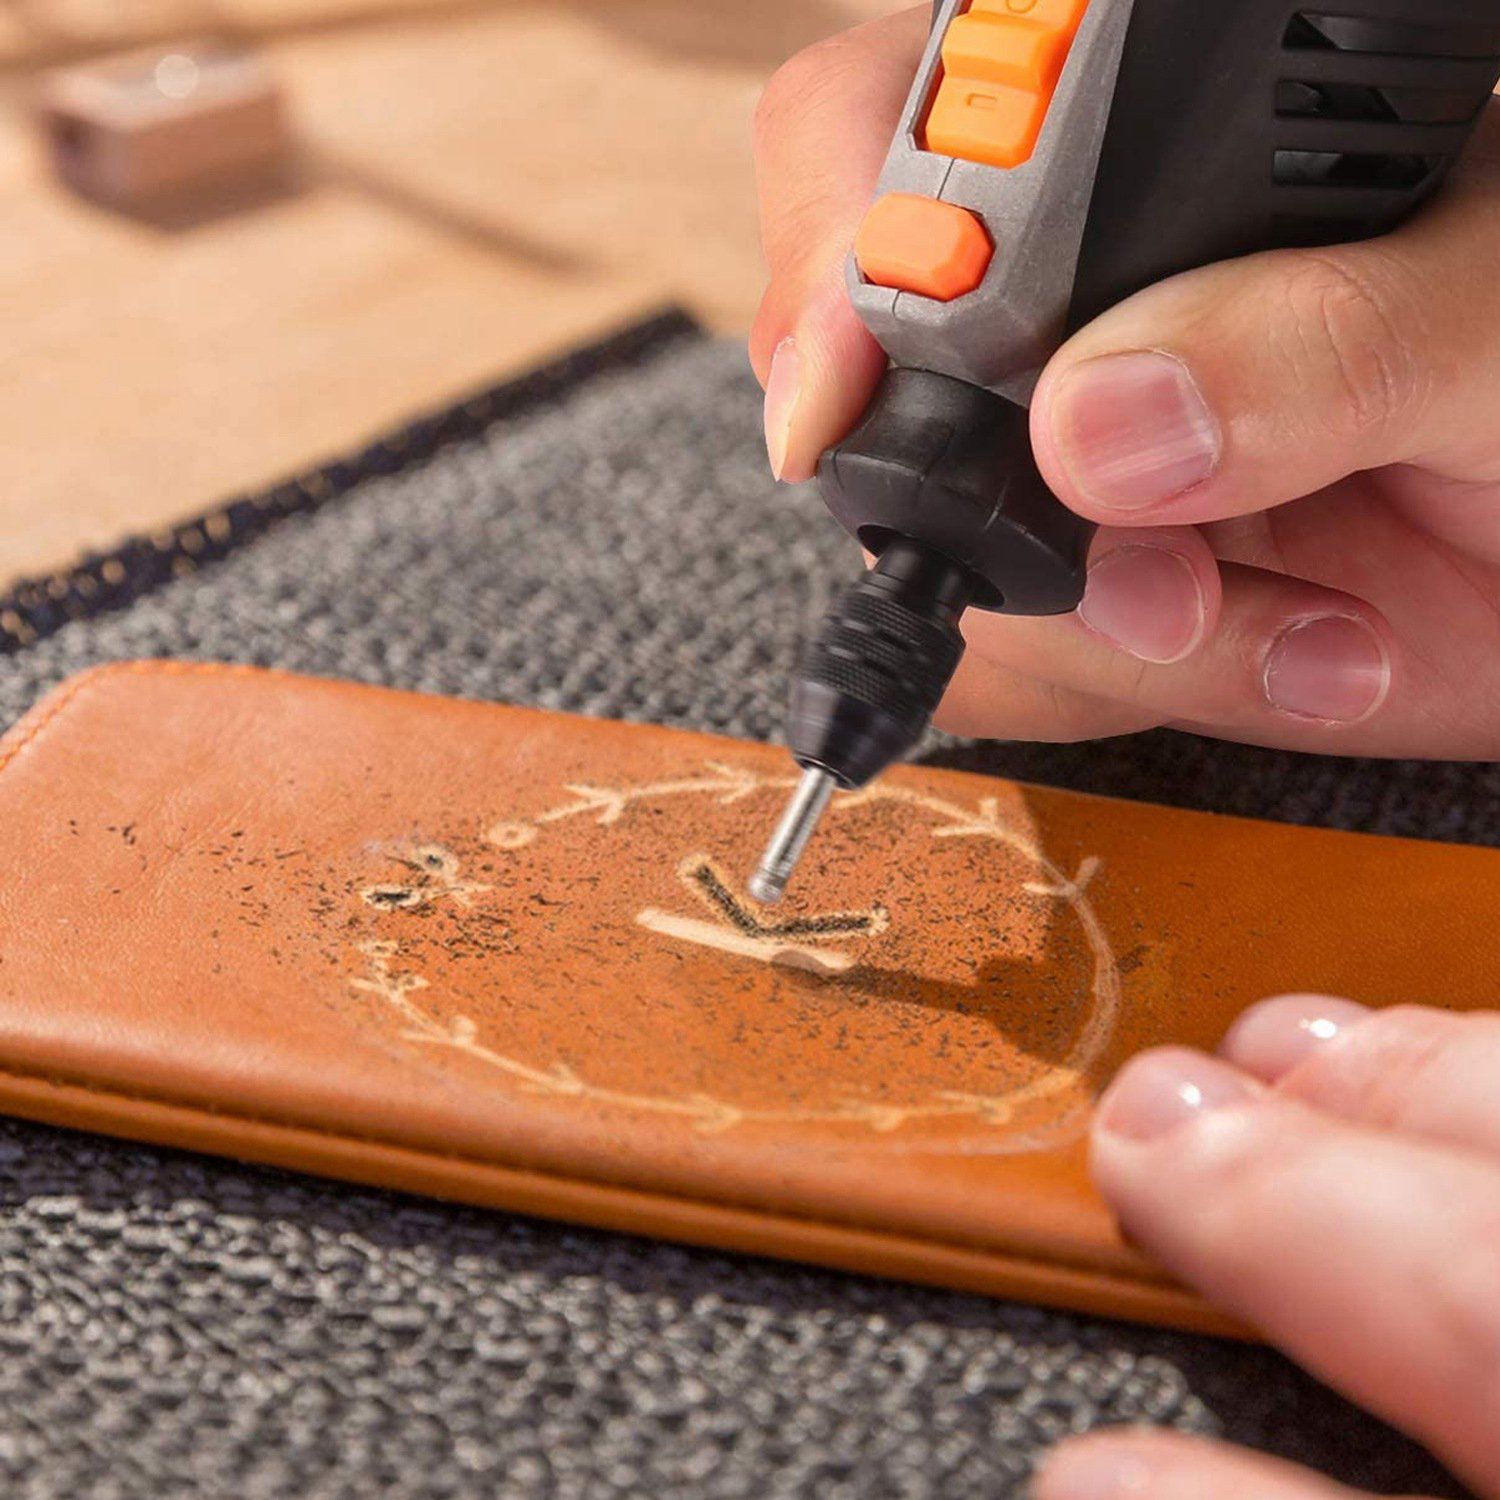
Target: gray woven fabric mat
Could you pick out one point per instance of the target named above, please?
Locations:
(175, 1326)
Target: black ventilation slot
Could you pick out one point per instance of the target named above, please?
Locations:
(1353, 169)
(1320, 31)
(1299, 100)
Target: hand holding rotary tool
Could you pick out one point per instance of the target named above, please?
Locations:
(1052, 161)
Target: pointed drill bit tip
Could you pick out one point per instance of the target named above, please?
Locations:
(793, 834)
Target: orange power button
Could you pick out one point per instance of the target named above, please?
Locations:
(921, 245)
(1002, 60)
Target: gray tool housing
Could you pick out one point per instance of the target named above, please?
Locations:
(1001, 335)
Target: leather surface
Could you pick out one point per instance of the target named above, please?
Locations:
(506, 956)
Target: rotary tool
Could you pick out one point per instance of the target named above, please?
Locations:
(1053, 158)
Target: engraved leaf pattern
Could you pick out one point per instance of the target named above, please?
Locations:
(438, 875)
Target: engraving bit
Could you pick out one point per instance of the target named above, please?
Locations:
(793, 834)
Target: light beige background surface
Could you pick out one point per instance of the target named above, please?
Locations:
(478, 186)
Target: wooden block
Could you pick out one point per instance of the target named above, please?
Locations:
(155, 125)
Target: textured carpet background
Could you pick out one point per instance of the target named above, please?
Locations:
(174, 1326)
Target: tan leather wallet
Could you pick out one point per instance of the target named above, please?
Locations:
(508, 957)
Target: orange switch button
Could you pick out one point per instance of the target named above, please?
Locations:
(1002, 61)
(999, 48)
(920, 245)
(986, 122)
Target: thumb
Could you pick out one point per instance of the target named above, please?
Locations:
(1240, 387)
(822, 130)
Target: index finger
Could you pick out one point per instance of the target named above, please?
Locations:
(822, 131)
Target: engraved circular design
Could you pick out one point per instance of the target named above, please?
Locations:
(438, 877)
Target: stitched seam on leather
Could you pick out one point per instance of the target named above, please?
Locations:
(27, 728)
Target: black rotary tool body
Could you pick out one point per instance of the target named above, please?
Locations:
(1055, 157)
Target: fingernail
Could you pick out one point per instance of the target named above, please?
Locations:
(1164, 1089)
(1147, 601)
(1335, 669)
(1133, 430)
(782, 389)
(1271, 1038)
(1096, 1469)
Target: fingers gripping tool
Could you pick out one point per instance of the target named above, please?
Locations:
(1053, 158)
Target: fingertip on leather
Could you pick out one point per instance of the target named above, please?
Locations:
(1163, 1091)
(1273, 1038)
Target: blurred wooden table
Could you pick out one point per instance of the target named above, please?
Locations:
(479, 186)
